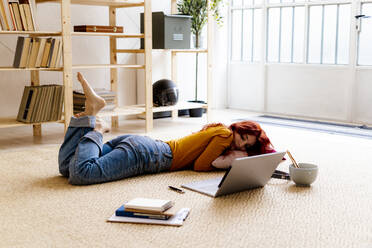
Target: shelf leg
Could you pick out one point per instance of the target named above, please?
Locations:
(67, 60)
(35, 81)
(148, 65)
(36, 130)
(113, 60)
(174, 79)
(114, 121)
(210, 63)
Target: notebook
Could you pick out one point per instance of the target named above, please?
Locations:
(149, 204)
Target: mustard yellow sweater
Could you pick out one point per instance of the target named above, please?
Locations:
(197, 151)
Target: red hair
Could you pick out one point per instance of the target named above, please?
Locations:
(263, 144)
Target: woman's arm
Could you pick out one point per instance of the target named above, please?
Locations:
(224, 161)
(215, 148)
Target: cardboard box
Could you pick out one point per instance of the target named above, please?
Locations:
(169, 31)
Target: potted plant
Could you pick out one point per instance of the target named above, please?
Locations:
(198, 10)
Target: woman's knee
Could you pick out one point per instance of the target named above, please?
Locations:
(80, 174)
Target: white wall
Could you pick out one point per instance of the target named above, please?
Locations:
(313, 91)
(95, 50)
(245, 90)
(363, 96)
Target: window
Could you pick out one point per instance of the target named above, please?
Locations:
(365, 36)
(327, 31)
(246, 23)
(285, 34)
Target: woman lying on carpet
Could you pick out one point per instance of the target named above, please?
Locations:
(84, 159)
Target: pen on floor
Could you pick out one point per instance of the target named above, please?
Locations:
(176, 189)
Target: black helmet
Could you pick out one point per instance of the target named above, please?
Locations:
(165, 93)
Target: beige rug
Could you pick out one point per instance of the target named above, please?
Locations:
(38, 208)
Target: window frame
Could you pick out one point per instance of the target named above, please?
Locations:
(265, 5)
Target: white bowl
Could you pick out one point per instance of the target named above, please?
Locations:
(305, 175)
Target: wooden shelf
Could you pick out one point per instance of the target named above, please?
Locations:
(161, 50)
(33, 33)
(126, 110)
(30, 69)
(129, 51)
(140, 109)
(102, 66)
(180, 105)
(12, 122)
(188, 50)
(117, 35)
(113, 3)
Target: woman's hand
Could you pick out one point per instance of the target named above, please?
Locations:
(224, 161)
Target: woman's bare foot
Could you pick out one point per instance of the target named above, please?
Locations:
(101, 126)
(93, 103)
(79, 114)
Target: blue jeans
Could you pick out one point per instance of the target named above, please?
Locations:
(84, 159)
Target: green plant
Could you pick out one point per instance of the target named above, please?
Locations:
(197, 9)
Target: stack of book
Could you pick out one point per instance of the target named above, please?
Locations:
(147, 208)
(108, 96)
(37, 52)
(17, 15)
(41, 103)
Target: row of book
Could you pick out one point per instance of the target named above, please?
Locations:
(79, 100)
(41, 103)
(17, 15)
(37, 52)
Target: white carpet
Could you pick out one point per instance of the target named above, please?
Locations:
(40, 209)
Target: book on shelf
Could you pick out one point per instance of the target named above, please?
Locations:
(25, 104)
(22, 51)
(16, 14)
(35, 115)
(100, 29)
(33, 53)
(59, 55)
(23, 17)
(41, 103)
(44, 60)
(5, 20)
(12, 17)
(28, 14)
(40, 52)
(53, 53)
(37, 52)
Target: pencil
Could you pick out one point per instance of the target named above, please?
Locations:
(293, 160)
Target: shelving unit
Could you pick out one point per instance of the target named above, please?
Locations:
(208, 51)
(66, 34)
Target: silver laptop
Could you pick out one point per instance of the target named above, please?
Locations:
(244, 173)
